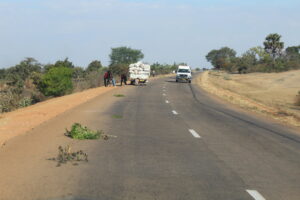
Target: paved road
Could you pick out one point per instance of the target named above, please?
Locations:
(175, 142)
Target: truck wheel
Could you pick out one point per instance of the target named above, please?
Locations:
(190, 81)
(176, 80)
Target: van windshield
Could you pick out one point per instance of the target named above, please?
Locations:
(184, 70)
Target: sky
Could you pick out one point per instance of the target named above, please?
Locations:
(166, 31)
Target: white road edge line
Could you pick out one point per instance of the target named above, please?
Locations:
(255, 195)
(167, 101)
(174, 112)
(194, 133)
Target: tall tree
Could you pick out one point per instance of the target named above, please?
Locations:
(60, 63)
(293, 52)
(273, 45)
(119, 69)
(94, 66)
(64, 63)
(261, 55)
(78, 72)
(125, 55)
(221, 58)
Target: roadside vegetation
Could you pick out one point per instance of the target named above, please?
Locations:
(164, 68)
(66, 155)
(80, 132)
(271, 57)
(121, 57)
(117, 116)
(119, 95)
(30, 82)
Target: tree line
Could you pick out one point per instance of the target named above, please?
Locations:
(271, 57)
(30, 82)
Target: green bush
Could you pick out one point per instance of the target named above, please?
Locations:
(25, 102)
(37, 97)
(80, 132)
(56, 82)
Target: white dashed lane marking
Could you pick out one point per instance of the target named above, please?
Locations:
(174, 112)
(255, 195)
(164, 94)
(167, 101)
(194, 133)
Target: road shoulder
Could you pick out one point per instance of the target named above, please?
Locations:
(23, 120)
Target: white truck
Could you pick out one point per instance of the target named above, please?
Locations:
(139, 73)
(184, 73)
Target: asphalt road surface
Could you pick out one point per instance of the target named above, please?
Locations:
(173, 142)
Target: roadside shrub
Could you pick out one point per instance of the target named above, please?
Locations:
(36, 78)
(66, 155)
(95, 79)
(9, 100)
(56, 82)
(25, 102)
(119, 95)
(37, 97)
(80, 132)
(92, 80)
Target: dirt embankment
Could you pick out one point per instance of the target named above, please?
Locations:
(272, 94)
(25, 119)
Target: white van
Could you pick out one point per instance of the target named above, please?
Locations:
(184, 73)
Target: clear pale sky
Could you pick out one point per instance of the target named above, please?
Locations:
(165, 30)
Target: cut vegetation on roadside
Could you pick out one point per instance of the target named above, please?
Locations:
(66, 155)
(13, 123)
(117, 116)
(119, 95)
(272, 94)
(80, 132)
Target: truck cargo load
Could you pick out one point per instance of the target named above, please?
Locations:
(139, 73)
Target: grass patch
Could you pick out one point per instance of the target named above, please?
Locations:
(117, 116)
(119, 95)
(66, 155)
(80, 132)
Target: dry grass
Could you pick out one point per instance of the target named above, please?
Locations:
(268, 93)
(297, 99)
(66, 155)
